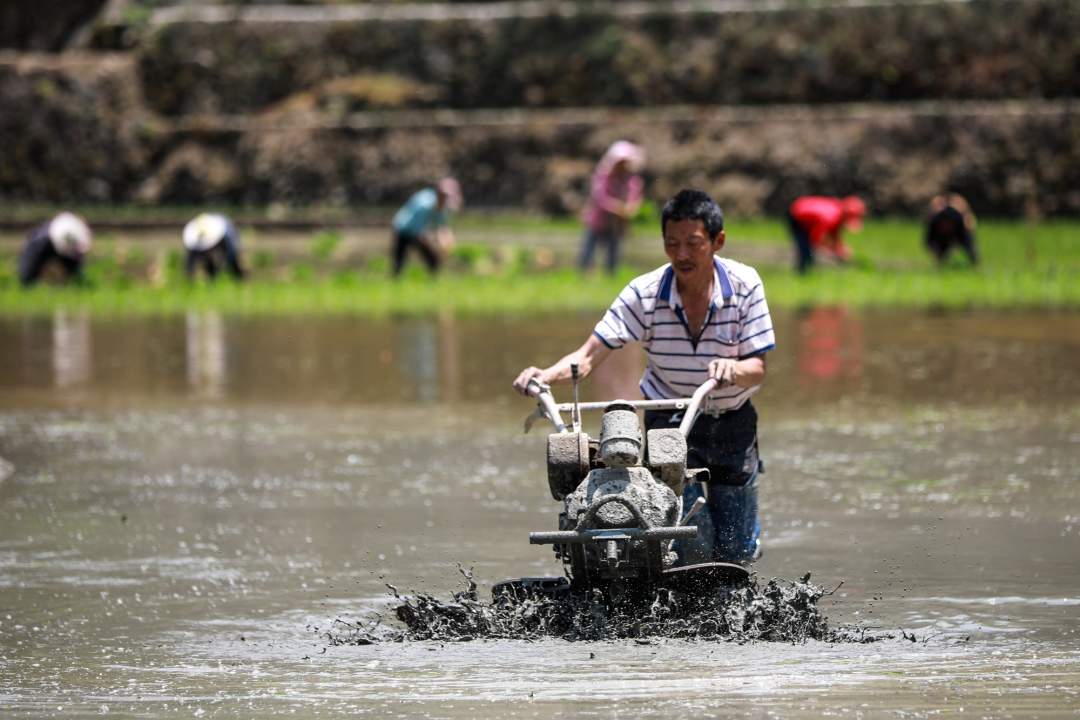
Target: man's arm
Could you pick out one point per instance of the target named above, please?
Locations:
(745, 373)
(588, 356)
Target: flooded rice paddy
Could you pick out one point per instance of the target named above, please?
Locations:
(193, 501)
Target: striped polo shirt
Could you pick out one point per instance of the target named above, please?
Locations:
(649, 311)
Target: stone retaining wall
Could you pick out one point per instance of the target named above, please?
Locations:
(1001, 155)
(74, 127)
(750, 105)
(603, 56)
(81, 133)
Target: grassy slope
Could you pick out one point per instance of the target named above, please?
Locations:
(1031, 266)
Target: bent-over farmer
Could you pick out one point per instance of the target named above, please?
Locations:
(212, 240)
(950, 223)
(422, 223)
(697, 317)
(64, 241)
(818, 223)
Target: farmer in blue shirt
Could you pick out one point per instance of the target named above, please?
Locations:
(700, 316)
(422, 223)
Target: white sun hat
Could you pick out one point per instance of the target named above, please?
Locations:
(69, 235)
(204, 231)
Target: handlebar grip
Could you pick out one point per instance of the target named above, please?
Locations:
(534, 387)
(695, 404)
(542, 392)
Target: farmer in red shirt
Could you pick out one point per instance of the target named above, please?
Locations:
(817, 223)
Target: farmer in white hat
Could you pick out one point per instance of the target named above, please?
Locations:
(212, 239)
(64, 240)
(423, 223)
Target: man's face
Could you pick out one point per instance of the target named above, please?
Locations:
(688, 246)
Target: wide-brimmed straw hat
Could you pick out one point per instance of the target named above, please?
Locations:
(69, 235)
(204, 231)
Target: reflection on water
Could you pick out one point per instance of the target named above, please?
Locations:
(200, 494)
(420, 358)
(824, 356)
(449, 358)
(206, 354)
(428, 355)
(71, 349)
(830, 345)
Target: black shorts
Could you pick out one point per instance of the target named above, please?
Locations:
(726, 444)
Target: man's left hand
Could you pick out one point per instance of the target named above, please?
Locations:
(521, 383)
(723, 371)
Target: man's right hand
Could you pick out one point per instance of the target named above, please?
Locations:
(521, 383)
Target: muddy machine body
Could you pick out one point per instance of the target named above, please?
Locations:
(622, 501)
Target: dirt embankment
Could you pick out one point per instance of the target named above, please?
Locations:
(752, 106)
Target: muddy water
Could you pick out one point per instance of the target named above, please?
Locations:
(196, 499)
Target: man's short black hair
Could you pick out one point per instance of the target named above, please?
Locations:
(691, 204)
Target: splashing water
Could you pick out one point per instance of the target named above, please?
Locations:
(780, 611)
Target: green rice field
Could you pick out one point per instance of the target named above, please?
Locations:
(1022, 265)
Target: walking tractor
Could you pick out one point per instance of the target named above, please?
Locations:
(622, 498)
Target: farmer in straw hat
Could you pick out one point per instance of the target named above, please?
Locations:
(64, 241)
(211, 240)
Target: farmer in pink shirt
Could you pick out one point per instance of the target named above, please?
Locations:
(614, 198)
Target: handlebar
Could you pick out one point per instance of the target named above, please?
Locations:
(547, 407)
(695, 404)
